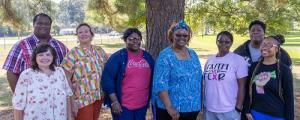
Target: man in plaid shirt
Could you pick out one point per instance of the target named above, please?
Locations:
(19, 57)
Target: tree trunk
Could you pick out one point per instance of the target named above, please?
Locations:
(160, 15)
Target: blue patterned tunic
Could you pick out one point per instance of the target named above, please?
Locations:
(181, 78)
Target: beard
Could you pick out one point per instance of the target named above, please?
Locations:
(256, 42)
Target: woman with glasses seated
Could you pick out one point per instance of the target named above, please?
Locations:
(177, 77)
(271, 85)
(225, 75)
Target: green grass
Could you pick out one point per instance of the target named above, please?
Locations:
(5, 93)
(9, 38)
(296, 82)
(57, 37)
(292, 44)
(204, 46)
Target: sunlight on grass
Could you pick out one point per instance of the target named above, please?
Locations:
(205, 46)
(5, 93)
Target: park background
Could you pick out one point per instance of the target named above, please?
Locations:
(110, 17)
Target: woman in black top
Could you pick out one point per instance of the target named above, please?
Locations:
(271, 85)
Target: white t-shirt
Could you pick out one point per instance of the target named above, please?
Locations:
(221, 85)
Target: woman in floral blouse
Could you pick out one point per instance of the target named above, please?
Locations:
(84, 63)
(42, 92)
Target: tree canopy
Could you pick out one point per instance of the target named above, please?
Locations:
(235, 15)
(118, 13)
(18, 13)
(232, 15)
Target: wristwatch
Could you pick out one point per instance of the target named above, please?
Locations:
(237, 109)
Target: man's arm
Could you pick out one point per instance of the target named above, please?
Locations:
(12, 79)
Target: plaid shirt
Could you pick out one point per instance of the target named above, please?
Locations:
(18, 58)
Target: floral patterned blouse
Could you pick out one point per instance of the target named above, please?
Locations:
(42, 97)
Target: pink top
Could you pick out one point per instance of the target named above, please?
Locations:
(136, 82)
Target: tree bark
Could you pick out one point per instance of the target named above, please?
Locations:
(160, 15)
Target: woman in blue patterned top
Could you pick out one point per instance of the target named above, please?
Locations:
(177, 77)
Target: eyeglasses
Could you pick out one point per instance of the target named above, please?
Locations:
(268, 46)
(224, 42)
(134, 39)
(43, 23)
(181, 35)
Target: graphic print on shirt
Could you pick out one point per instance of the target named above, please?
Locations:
(216, 71)
(248, 60)
(137, 64)
(261, 80)
(136, 82)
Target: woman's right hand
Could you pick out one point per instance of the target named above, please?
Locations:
(173, 113)
(116, 107)
(249, 116)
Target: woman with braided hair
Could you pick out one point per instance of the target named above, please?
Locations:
(271, 85)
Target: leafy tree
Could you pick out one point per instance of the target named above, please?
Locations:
(157, 15)
(56, 29)
(118, 14)
(8, 14)
(160, 15)
(18, 14)
(235, 15)
(71, 13)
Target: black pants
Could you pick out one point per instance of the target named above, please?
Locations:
(162, 114)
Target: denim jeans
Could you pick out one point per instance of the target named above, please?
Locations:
(231, 115)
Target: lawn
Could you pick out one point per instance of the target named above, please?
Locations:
(204, 46)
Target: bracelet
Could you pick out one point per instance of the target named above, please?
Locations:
(237, 109)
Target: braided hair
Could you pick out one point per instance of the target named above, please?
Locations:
(280, 40)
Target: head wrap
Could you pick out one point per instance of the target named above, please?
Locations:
(181, 25)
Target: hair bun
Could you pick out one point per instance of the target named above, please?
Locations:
(280, 38)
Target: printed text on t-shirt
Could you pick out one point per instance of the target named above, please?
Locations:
(138, 64)
(216, 71)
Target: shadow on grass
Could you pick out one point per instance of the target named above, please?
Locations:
(293, 39)
(5, 93)
(296, 82)
(296, 61)
(292, 35)
(200, 49)
(291, 45)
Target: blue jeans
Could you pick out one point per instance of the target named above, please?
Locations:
(231, 115)
(262, 116)
(138, 114)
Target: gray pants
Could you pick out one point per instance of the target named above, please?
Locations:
(231, 115)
